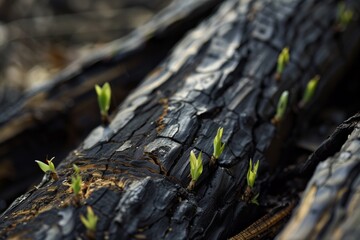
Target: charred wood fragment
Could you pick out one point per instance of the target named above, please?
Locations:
(332, 145)
(261, 227)
(330, 205)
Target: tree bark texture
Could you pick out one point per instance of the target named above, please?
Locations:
(330, 205)
(53, 119)
(136, 170)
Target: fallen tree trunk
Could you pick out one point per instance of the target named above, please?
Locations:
(330, 205)
(56, 117)
(135, 170)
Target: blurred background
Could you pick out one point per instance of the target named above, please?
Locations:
(40, 37)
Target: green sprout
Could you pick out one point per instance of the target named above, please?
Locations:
(283, 60)
(309, 91)
(248, 195)
(281, 107)
(254, 199)
(90, 222)
(196, 168)
(76, 184)
(48, 168)
(252, 173)
(344, 16)
(104, 97)
(218, 146)
(76, 169)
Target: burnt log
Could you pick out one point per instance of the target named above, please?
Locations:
(54, 118)
(136, 170)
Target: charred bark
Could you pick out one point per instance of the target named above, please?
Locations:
(135, 170)
(55, 118)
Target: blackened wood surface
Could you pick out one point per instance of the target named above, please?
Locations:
(330, 205)
(221, 74)
(55, 118)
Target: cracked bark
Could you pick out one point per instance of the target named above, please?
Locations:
(135, 171)
(330, 205)
(55, 118)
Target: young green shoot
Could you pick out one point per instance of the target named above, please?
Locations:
(281, 108)
(90, 222)
(104, 97)
(76, 169)
(76, 184)
(309, 91)
(48, 168)
(248, 195)
(344, 16)
(218, 146)
(252, 173)
(254, 199)
(196, 168)
(283, 60)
